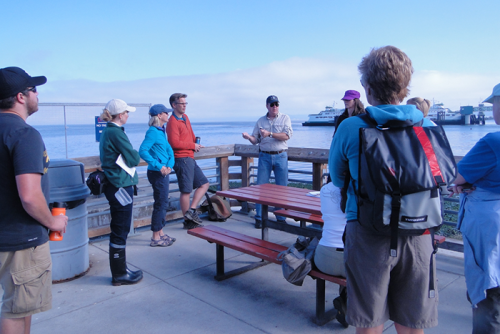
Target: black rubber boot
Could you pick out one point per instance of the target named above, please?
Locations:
(119, 271)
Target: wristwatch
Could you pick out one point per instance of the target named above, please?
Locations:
(271, 135)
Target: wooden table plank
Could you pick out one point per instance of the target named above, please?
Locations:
(274, 195)
(267, 192)
(238, 245)
(245, 238)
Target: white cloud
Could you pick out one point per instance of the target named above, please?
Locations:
(303, 85)
(453, 89)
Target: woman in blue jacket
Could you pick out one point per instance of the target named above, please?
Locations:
(158, 153)
(479, 222)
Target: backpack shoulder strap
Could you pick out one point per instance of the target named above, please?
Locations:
(390, 124)
(211, 210)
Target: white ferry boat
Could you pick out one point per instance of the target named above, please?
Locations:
(326, 117)
(439, 113)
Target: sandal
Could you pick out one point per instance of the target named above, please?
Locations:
(161, 243)
(167, 237)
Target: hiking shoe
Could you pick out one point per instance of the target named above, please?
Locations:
(339, 305)
(189, 224)
(192, 215)
(161, 243)
(258, 223)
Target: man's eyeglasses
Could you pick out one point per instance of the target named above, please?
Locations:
(183, 103)
(274, 104)
(32, 89)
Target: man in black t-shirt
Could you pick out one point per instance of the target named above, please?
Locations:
(25, 263)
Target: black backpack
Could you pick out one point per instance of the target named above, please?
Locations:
(96, 182)
(403, 170)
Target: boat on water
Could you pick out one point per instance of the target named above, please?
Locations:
(439, 114)
(327, 117)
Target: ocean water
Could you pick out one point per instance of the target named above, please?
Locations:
(79, 140)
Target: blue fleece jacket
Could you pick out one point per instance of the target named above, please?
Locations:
(156, 150)
(344, 150)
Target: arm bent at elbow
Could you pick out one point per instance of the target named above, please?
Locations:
(33, 200)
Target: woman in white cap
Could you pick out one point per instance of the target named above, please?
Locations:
(478, 183)
(158, 153)
(115, 145)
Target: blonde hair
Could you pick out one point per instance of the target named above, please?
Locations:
(154, 121)
(106, 116)
(387, 70)
(422, 104)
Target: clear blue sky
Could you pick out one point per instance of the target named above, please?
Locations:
(238, 52)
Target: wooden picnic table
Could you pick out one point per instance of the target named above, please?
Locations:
(279, 196)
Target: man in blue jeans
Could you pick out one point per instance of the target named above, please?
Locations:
(271, 132)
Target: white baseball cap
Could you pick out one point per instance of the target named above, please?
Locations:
(496, 92)
(117, 106)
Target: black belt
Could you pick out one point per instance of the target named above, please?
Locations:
(273, 152)
(339, 249)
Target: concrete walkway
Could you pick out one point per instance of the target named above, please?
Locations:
(179, 294)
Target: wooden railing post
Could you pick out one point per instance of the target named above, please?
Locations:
(246, 162)
(317, 175)
(223, 164)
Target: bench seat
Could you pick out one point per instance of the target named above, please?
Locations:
(304, 217)
(266, 251)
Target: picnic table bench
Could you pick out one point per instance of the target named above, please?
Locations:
(266, 251)
(296, 204)
(304, 217)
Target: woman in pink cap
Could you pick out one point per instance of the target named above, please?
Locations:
(353, 107)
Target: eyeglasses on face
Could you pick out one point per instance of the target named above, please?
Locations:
(183, 103)
(32, 89)
(274, 104)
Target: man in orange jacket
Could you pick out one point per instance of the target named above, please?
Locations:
(189, 174)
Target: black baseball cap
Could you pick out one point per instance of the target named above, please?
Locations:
(272, 98)
(14, 80)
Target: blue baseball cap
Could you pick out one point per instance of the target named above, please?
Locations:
(496, 92)
(158, 109)
(271, 99)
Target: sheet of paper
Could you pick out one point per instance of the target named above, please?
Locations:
(313, 194)
(120, 162)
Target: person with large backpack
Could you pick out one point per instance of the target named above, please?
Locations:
(389, 257)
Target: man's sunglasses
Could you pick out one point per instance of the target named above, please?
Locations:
(32, 89)
(274, 104)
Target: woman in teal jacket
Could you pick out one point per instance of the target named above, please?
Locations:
(158, 153)
(120, 187)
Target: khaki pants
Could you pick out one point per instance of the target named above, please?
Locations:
(26, 279)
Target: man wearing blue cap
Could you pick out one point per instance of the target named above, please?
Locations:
(271, 132)
(25, 263)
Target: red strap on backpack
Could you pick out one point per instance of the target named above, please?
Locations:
(429, 153)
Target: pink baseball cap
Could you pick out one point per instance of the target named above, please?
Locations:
(351, 95)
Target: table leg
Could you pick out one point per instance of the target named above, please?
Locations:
(265, 218)
(322, 316)
(219, 256)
